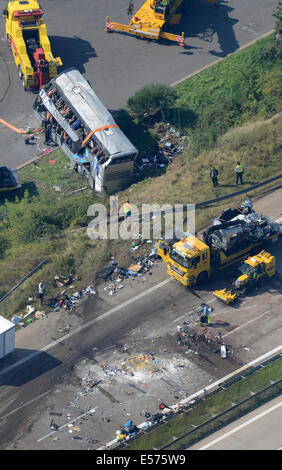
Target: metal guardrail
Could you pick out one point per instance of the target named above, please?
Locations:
(225, 412)
(22, 281)
(214, 418)
(141, 217)
(211, 201)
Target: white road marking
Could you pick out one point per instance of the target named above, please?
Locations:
(86, 325)
(67, 424)
(23, 405)
(194, 311)
(241, 426)
(247, 323)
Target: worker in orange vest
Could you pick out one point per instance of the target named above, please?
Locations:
(127, 209)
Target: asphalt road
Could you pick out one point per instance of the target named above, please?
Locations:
(144, 316)
(117, 65)
(259, 430)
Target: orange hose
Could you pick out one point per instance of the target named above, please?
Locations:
(96, 130)
(12, 127)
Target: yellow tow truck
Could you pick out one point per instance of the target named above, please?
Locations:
(27, 37)
(251, 273)
(152, 19)
(233, 236)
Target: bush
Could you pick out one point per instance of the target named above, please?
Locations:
(4, 244)
(151, 99)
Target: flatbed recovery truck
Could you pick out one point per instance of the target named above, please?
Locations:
(152, 20)
(235, 235)
(27, 37)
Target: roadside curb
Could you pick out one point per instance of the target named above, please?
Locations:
(205, 67)
(32, 160)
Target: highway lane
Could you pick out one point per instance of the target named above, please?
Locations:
(117, 65)
(258, 430)
(51, 368)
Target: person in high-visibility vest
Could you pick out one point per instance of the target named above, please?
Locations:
(239, 171)
(127, 209)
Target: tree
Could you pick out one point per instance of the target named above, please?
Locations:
(277, 13)
(151, 99)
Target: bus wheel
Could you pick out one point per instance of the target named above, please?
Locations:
(91, 182)
(23, 83)
(20, 72)
(202, 278)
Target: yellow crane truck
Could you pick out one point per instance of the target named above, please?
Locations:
(251, 273)
(27, 36)
(152, 19)
(231, 238)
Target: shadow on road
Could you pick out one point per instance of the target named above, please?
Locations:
(73, 52)
(203, 21)
(28, 370)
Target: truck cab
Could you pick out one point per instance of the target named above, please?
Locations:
(188, 260)
(27, 36)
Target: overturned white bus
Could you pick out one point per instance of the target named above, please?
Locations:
(76, 120)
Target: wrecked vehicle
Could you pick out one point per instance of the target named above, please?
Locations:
(234, 235)
(9, 179)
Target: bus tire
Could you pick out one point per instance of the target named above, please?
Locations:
(202, 279)
(20, 72)
(91, 182)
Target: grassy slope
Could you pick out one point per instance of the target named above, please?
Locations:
(257, 145)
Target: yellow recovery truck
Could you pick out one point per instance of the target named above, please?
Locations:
(27, 36)
(232, 237)
(252, 272)
(152, 18)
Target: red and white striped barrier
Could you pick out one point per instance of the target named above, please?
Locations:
(109, 27)
(180, 40)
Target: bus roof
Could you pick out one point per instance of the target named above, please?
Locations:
(79, 95)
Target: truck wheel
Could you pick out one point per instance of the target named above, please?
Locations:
(202, 279)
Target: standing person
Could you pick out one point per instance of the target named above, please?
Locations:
(239, 170)
(41, 292)
(130, 9)
(127, 209)
(47, 134)
(214, 175)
